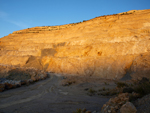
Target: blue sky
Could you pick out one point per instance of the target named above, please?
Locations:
(21, 14)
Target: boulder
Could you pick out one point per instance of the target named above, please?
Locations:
(128, 107)
(114, 104)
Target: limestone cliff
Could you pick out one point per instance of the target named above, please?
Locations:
(112, 46)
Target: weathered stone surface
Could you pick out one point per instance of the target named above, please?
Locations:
(114, 104)
(128, 107)
(143, 104)
(107, 46)
(141, 66)
(17, 77)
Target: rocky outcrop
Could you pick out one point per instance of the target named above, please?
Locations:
(143, 104)
(128, 107)
(112, 47)
(13, 77)
(114, 104)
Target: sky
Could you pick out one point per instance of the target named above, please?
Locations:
(22, 14)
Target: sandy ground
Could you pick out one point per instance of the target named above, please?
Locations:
(54, 95)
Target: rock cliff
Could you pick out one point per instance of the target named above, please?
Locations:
(113, 46)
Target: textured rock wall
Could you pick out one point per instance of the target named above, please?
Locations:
(108, 46)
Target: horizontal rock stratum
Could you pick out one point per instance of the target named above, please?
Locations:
(113, 46)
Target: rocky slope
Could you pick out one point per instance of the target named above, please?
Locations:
(114, 47)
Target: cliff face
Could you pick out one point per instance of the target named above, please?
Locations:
(112, 46)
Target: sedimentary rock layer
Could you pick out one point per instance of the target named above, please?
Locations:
(112, 46)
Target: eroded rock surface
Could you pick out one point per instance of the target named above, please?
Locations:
(110, 46)
(143, 104)
(128, 107)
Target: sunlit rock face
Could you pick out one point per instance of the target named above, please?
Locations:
(113, 47)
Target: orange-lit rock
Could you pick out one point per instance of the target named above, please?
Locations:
(107, 46)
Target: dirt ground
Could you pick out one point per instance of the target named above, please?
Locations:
(56, 94)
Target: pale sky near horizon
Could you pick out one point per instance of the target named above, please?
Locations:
(21, 14)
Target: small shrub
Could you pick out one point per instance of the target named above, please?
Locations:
(78, 111)
(143, 89)
(128, 90)
(109, 92)
(113, 92)
(133, 98)
(105, 93)
(92, 91)
(106, 83)
(100, 90)
(68, 83)
(131, 85)
(121, 84)
(104, 89)
(84, 20)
